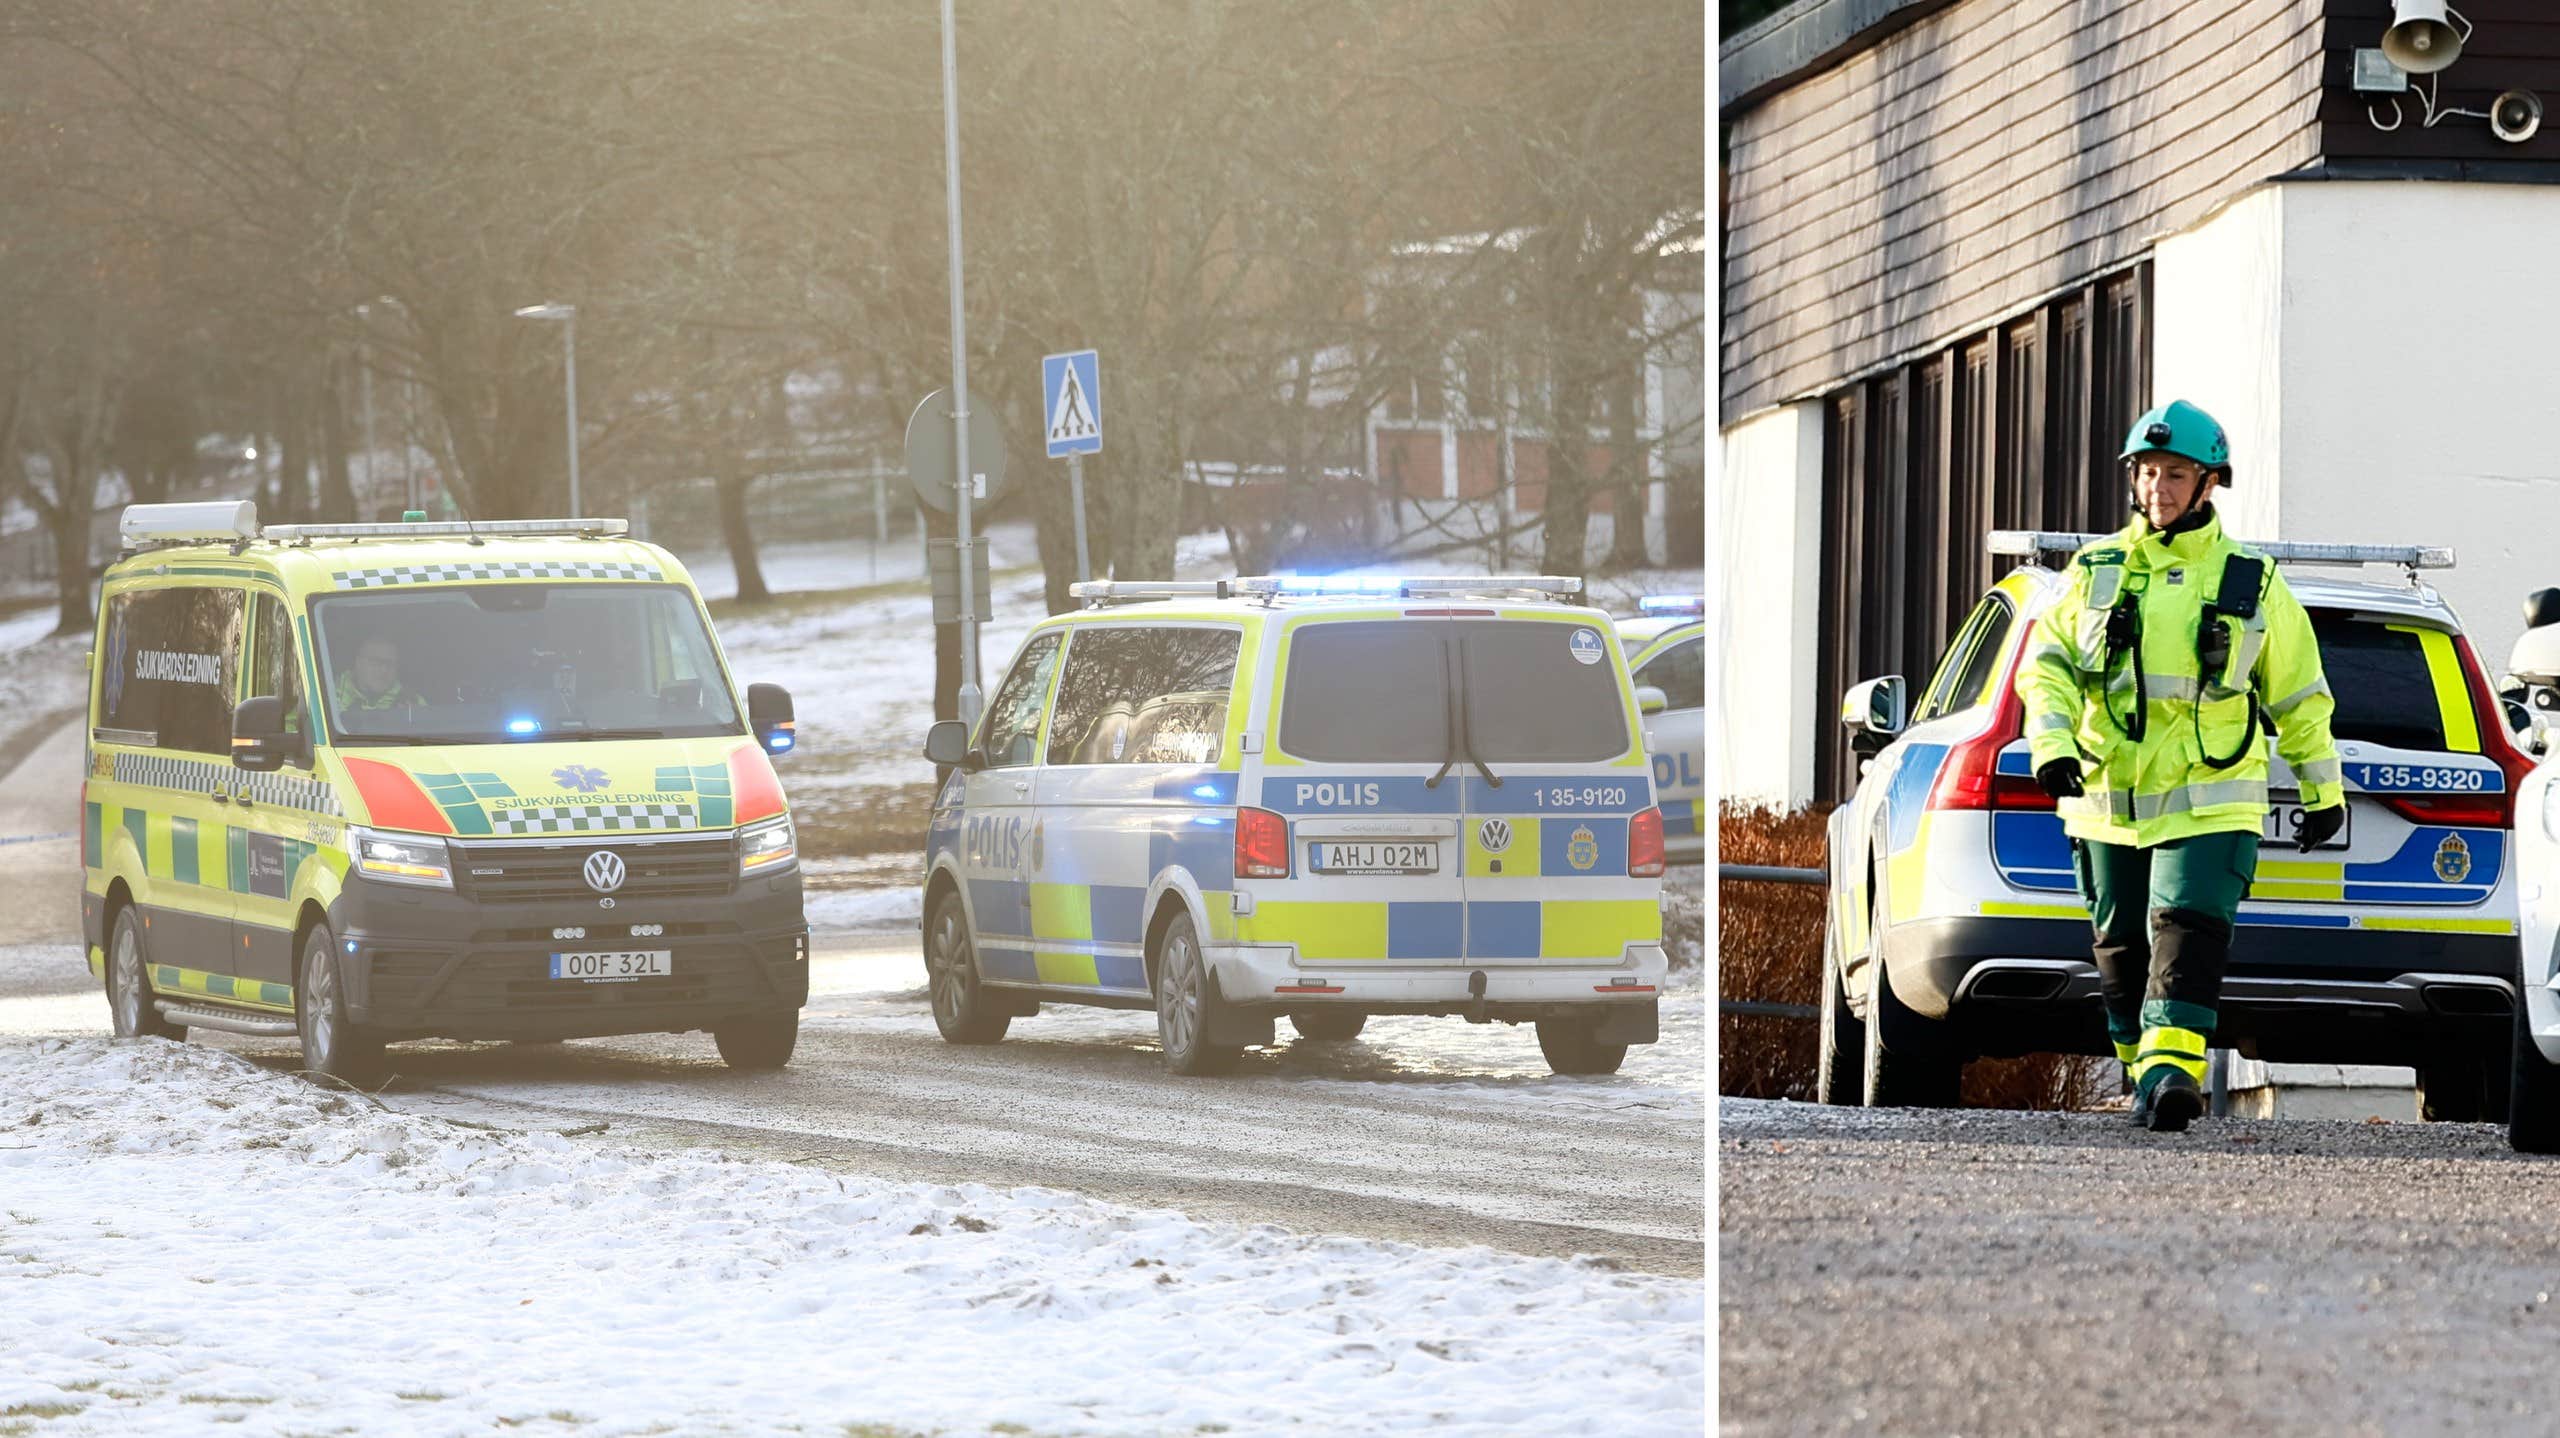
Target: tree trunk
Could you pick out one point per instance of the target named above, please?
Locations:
(740, 538)
(70, 521)
(1627, 489)
(337, 491)
(1567, 511)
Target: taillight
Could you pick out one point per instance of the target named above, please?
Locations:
(1644, 845)
(1971, 777)
(1262, 845)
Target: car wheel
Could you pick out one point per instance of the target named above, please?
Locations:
(755, 1044)
(1842, 1050)
(1908, 1063)
(961, 1007)
(1187, 1005)
(2533, 1092)
(1329, 1026)
(1572, 1046)
(332, 1046)
(129, 1004)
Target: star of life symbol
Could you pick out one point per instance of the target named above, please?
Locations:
(580, 778)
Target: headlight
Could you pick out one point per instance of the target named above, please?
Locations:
(402, 859)
(767, 848)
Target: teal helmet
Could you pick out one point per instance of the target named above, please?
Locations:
(2181, 429)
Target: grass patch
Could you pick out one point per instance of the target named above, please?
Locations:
(40, 1410)
(216, 1398)
(85, 1385)
(422, 1396)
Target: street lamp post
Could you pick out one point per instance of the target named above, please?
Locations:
(568, 316)
(372, 456)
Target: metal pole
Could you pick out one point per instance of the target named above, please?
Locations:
(960, 477)
(1075, 483)
(574, 511)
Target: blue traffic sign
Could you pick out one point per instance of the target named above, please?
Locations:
(1071, 385)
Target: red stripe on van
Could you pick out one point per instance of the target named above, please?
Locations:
(752, 785)
(393, 800)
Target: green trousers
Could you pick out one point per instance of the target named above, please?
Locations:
(2163, 921)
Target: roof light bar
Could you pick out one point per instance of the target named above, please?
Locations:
(1411, 585)
(1673, 604)
(210, 521)
(2283, 551)
(454, 529)
(1123, 591)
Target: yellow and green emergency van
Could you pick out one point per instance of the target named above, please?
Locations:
(1230, 800)
(364, 782)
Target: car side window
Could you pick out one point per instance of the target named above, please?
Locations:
(171, 667)
(1011, 732)
(1143, 694)
(1962, 674)
(274, 667)
(1680, 672)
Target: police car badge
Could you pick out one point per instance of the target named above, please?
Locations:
(1583, 849)
(2453, 859)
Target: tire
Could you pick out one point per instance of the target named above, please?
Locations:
(759, 1044)
(1329, 1026)
(962, 1009)
(1572, 1048)
(1839, 1076)
(129, 1006)
(1187, 1004)
(332, 1046)
(2533, 1092)
(1906, 1064)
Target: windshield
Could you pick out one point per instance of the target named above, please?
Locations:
(1378, 692)
(520, 663)
(2385, 692)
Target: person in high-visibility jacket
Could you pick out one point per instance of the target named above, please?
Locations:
(2152, 688)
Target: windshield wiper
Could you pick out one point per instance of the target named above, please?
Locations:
(1450, 712)
(1467, 724)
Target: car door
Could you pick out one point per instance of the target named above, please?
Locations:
(1677, 740)
(160, 781)
(279, 820)
(995, 839)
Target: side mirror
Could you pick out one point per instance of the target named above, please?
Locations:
(259, 740)
(1875, 712)
(947, 744)
(1651, 700)
(2542, 607)
(769, 714)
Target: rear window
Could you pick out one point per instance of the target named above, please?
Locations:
(2385, 692)
(1379, 692)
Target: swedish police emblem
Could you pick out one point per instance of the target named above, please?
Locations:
(1583, 849)
(2453, 859)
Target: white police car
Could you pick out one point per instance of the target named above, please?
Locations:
(1666, 644)
(1230, 800)
(1956, 929)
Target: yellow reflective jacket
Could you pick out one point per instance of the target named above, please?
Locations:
(2080, 697)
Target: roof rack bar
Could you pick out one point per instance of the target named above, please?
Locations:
(449, 529)
(1268, 587)
(2037, 542)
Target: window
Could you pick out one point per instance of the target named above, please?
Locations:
(1680, 672)
(1378, 692)
(1374, 692)
(273, 666)
(1539, 693)
(501, 663)
(172, 665)
(1010, 734)
(2385, 692)
(1143, 694)
(1970, 662)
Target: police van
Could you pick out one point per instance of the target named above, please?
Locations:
(364, 782)
(1231, 800)
(1666, 644)
(1957, 928)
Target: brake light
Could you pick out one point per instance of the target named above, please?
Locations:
(1644, 845)
(1971, 777)
(1262, 845)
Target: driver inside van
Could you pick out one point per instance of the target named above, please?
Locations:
(374, 681)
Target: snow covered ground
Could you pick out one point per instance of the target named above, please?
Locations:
(192, 1243)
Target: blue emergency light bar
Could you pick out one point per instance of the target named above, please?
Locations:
(524, 726)
(1673, 604)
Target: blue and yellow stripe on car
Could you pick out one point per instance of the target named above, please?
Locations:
(1354, 930)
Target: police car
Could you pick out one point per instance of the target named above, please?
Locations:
(1231, 800)
(363, 782)
(2533, 667)
(1955, 925)
(1666, 644)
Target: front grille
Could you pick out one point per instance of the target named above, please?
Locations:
(549, 873)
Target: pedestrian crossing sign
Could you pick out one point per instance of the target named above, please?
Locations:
(1072, 410)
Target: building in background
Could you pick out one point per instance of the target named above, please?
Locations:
(1964, 242)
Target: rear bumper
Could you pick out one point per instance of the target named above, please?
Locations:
(423, 964)
(2291, 995)
(1269, 976)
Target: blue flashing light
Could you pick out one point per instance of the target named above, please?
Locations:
(779, 743)
(524, 726)
(1673, 604)
(1204, 791)
(1340, 584)
(351, 946)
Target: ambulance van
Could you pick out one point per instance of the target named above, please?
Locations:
(355, 783)
(1233, 800)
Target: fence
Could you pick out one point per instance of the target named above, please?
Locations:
(1768, 874)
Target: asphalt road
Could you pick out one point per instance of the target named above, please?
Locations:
(1902, 1272)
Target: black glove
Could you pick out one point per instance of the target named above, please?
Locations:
(2321, 825)
(2060, 779)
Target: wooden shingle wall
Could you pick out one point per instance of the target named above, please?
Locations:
(1964, 168)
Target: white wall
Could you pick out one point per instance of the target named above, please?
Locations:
(1769, 504)
(2217, 341)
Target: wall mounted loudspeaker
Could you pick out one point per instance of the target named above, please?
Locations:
(2421, 40)
(2515, 115)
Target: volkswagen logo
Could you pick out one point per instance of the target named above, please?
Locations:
(604, 871)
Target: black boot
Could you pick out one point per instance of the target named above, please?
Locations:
(2174, 1102)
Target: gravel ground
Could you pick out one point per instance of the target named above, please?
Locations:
(1898, 1272)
